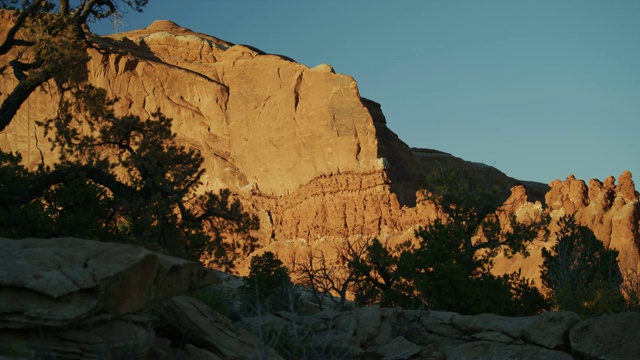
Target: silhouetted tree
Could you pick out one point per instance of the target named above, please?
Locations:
(118, 178)
(46, 42)
(448, 268)
(327, 279)
(121, 179)
(268, 286)
(580, 273)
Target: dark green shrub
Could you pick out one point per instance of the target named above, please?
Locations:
(268, 287)
(580, 273)
(448, 267)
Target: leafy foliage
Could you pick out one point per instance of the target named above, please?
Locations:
(580, 273)
(631, 288)
(379, 277)
(213, 298)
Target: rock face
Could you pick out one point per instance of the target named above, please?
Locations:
(611, 210)
(298, 145)
(73, 298)
(81, 299)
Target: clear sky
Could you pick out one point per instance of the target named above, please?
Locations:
(540, 89)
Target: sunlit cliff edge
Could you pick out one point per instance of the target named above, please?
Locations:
(300, 147)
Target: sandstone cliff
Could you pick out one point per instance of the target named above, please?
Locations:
(299, 145)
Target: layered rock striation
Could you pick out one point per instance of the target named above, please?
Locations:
(298, 145)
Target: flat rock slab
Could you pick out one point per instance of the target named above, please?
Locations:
(399, 348)
(122, 338)
(59, 282)
(550, 329)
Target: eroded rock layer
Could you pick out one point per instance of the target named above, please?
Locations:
(611, 211)
(298, 145)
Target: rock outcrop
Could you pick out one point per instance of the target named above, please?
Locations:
(389, 333)
(607, 337)
(73, 298)
(212, 332)
(610, 210)
(298, 145)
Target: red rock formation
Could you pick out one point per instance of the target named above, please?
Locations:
(298, 145)
(611, 211)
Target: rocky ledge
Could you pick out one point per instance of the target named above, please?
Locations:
(72, 298)
(390, 333)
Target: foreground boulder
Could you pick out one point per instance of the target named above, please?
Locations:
(74, 298)
(211, 332)
(71, 298)
(607, 337)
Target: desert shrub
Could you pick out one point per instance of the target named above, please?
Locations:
(631, 288)
(326, 279)
(268, 287)
(379, 279)
(304, 340)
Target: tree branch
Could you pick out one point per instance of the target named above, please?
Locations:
(20, 68)
(35, 188)
(10, 41)
(20, 94)
(64, 7)
(487, 245)
(91, 8)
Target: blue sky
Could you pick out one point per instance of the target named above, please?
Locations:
(539, 89)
